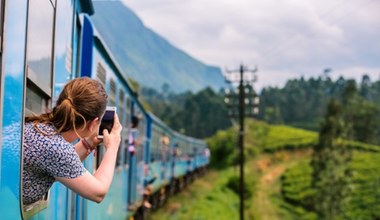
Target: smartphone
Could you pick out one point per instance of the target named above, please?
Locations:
(107, 120)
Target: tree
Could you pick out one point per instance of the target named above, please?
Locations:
(331, 173)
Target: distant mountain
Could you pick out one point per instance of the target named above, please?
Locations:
(147, 57)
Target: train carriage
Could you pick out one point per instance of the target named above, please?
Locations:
(40, 49)
(44, 44)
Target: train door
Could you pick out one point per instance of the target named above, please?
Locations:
(39, 69)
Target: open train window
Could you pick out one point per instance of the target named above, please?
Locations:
(39, 65)
(101, 73)
(112, 93)
(111, 102)
(121, 113)
(126, 128)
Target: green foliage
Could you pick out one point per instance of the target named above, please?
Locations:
(365, 198)
(331, 174)
(234, 185)
(199, 115)
(202, 115)
(299, 103)
(259, 137)
(284, 137)
(223, 149)
(355, 145)
(296, 185)
(302, 103)
(206, 198)
(299, 213)
(364, 202)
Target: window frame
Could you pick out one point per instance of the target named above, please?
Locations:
(46, 95)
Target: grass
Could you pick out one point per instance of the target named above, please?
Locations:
(206, 198)
(266, 203)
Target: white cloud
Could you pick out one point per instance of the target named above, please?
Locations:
(284, 38)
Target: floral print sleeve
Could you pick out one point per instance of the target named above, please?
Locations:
(63, 161)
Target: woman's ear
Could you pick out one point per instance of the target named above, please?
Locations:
(93, 124)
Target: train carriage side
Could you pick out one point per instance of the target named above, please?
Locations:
(131, 164)
(39, 51)
(120, 95)
(13, 37)
(181, 161)
(137, 160)
(160, 159)
(200, 157)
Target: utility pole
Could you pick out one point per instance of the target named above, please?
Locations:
(241, 105)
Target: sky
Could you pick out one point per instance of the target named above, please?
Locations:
(284, 39)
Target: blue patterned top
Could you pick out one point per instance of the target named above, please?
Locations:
(46, 155)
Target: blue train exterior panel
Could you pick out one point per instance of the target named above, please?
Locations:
(12, 83)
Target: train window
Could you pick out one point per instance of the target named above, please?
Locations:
(112, 93)
(79, 45)
(36, 102)
(111, 101)
(100, 151)
(121, 112)
(126, 152)
(155, 143)
(101, 73)
(128, 113)
(127, 127)
(39, 64)
(40, 44)
(121, 105)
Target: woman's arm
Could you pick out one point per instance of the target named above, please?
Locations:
(95, 187)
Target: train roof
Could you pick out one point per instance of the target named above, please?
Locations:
(102, 46)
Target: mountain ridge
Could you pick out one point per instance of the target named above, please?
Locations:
(147, 57)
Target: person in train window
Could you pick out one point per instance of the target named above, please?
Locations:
(49, 154)
(132, 144)
(164, 148)
(133, 135)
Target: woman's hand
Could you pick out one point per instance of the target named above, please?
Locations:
(112, 140)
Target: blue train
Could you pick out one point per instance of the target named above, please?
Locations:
(45, 43)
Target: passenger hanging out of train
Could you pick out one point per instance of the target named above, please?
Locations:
(49, 154)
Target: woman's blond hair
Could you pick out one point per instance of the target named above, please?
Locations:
(81, 100)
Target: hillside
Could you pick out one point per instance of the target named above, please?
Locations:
(147, 57)
(279, 175)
